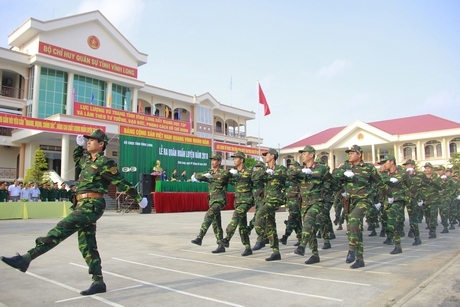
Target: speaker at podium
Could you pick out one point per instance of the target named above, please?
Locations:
(145, 187)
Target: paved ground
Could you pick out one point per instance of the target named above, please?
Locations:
(148, 260)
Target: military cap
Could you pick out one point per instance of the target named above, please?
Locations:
(216, 157)
(292, 162)
(239, 154)
(409, 161)
(440, 168)
(428, 164)
(260, 164)
(271, 151)
(308, 148)
(386, 158)
(98, 134)
(354, 148)
(449, 169)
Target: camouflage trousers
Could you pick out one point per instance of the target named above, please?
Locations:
(265, 225)
(294, 221)
(395, 220)
(372, 216)
(258, 204)
(313, 219)
(430, 209)
(358, 208)
(326, 226)
(213, 217)
(82, 220)
(444, 208)
(240, 220)
(453, 212)
(415, 212)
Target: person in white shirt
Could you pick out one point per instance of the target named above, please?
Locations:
(25, 193)
(14, 191)
(193, 178)
(34, 192)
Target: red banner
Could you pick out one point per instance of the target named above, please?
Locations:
(131, 118)
(87, 60)
(159, 135)
(22, 122)
(226, 147)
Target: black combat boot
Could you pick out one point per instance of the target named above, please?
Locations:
(358, 264)
(219, 249)
(432, 235)
(297, 244)
(17, 262)
(326, 246)
(283, 240)
(445, 230)
(273, 257)
(95, 288)
(410, 234)
(258, 245)
(340, 227)
(247, 252)
(373, 233)
(417, 241)
(313, 259)
(382, 233)
(197, 241)
(300, 250)
(452, 227)
(397, 249)
(351, 256)
(225, 242)
(388, 241)
(332, 236)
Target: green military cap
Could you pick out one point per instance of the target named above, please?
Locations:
(98, 134)
(409, 161)
(271, 151)
(449, 169)
(216, 157)
(354, 148)
(440, 168)
(428, 164)
(292, 162)
(239, 154)
(260, 164)
(386, 158)
(308, 148)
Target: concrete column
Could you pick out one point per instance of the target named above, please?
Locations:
(108, 98)
(134, 104)
(36, 91)
(331, 160)
(70, 94)
(373, 153)
(22, 153)
(65, 156)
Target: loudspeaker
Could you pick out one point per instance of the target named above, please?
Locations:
(145, 184)
(148, 208)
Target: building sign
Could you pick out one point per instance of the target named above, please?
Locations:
(131, 118)
(23, 122)
(142, 148)
(87, 60)
(185, 139)
(93, 42)
(226, 147)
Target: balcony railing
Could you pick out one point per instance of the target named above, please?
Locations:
(12, 92)
(8, 173)
(230, 133)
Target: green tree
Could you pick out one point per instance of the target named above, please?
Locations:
(455, 161)
(250, 162)
(39, 170)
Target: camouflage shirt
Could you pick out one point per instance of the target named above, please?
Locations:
(97, 175)
(414, 184)
(292, 184)
(274, 190)
(313, 184)
(430, 187)
(242, 182)
(217, 184)
(398, 189)
(361, 185)
(258, 183)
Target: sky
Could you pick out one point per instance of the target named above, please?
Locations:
(321, 64)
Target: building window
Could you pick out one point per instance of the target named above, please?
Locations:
(89, 90)
(203, 115)
(52, 93)
(218, 127)
(429, 151)
(438, 150)
(452, 148)
(407, 153)
(121, 97)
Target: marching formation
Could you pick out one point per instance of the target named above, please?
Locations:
(355, 189)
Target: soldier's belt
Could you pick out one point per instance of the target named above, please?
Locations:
(89, 195)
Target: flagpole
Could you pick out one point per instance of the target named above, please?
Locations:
(258, 115)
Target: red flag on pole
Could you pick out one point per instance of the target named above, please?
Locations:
(263, 101)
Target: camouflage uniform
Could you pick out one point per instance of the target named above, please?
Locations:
(430, 187)
(313, 184)
(217, 199)
(327, 231)
(358, 189)
(274, 198)
(294, 221)
(414, 181)
(242, 182)
(95, 177)
(257, 191)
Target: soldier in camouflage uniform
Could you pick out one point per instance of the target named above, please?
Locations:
(241, 179)
(414, 203)
(217, 180)
(294, 221)
(327, 230)
(314, 177)
(274, 178)
(453, 210)
(396, 181)
(257, 193)
(430, 188)
(446, 198)
(96, 175)
(357, 179)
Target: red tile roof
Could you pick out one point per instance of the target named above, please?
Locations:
(398, 126)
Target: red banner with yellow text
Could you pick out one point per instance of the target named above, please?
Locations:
(130, 118)
(159, 135)
(226, 147)
(23, 122)
(76, 57)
